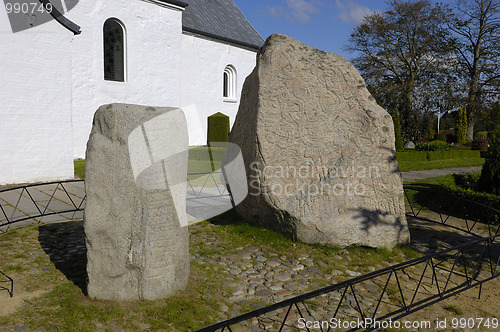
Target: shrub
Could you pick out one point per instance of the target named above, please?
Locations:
(218, 128)
(400, 144)
(482, 135)
(478, 212)
(450, 136)
(440, 137)
(430, 130)
(461, 125)
(479, 144)
(489, 181)
(432, 146)
(467, 181)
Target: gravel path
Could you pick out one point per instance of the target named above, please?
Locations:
(431, 173)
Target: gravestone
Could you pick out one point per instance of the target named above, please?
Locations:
(318, 150)
(135, 214)
(410, 145)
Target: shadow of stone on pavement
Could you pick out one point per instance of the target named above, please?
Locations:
(65, 245)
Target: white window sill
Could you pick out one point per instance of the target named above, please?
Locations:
(229, 100)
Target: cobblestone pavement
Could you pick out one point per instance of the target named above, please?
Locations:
(250, 277)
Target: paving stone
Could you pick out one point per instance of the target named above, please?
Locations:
(352, 273)
(264, 292)
(272, 263)
(315, 270)
(291, 287)
(252, 249)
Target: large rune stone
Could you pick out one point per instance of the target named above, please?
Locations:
(135, 180)
(319, 152)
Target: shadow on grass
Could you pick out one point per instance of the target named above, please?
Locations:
(64, 243)
(230, 217)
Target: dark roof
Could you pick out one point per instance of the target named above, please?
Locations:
(182, 4)
(222, 20)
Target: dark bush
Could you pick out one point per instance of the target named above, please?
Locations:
(467, 181)
(479, 144)
(489, 181)
(478, 212)
(476, 196)
(450, 136)
(432, 146)
(482, 135)
(440, 137)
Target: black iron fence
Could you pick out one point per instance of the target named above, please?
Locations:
(37, 201)
(456, 212)
(368, 301)
(65, 200)
(6, 280)
(442, 274)
(390, 293)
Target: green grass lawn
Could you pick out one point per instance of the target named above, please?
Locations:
(79, 168)
(405, 166)
(62, 306)
(196, 164)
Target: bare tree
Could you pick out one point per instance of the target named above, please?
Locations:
(398, 51)
(476, 28)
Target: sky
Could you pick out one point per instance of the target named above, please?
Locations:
(324, 24)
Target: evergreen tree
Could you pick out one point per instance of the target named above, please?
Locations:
(461, 131)
(490, 175)
(400, 145)
(430, 130)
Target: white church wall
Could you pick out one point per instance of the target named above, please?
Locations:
(35, 108)
(52, 82)
(153, 61)
(203, 64)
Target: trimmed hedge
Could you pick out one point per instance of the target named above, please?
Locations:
(452, 188)
(437, 155)
(432, 146)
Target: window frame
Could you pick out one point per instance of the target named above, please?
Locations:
(229, 84)
(124, 50)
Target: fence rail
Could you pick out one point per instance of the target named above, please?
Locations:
(455, 212)
(35, 201)
(5, 279)
(446, 272)
(436, 276)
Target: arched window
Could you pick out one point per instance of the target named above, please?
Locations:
(114, 50)
(229, 83)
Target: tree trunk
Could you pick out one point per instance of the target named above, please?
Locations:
(470, 129)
